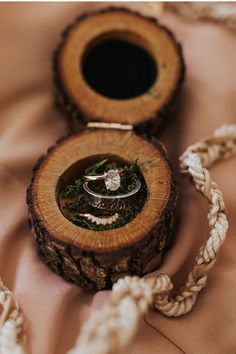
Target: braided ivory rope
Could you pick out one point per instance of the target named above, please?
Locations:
(218, 12)
(112, 328)
(12, 336)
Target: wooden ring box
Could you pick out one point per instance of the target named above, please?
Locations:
(96, 259)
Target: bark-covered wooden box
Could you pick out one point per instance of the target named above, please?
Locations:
(116, 74)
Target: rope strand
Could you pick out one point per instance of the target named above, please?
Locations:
(218, 12)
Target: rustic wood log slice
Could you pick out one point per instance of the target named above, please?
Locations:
(118, 66)
(96, 259)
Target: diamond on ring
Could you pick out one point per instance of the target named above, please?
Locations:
(112, 180)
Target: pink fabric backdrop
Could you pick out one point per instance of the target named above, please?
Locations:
(54, 309)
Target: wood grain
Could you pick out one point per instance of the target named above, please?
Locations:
(98, 258)
(74, 95)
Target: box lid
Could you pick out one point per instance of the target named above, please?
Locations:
(117, 66)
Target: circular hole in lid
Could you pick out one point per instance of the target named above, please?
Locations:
(119, 68)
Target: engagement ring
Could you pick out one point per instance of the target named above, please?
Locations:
(111, 178)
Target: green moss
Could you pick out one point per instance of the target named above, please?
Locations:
(76, 204)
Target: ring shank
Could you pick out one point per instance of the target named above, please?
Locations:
(118, 202)
(94, 178)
